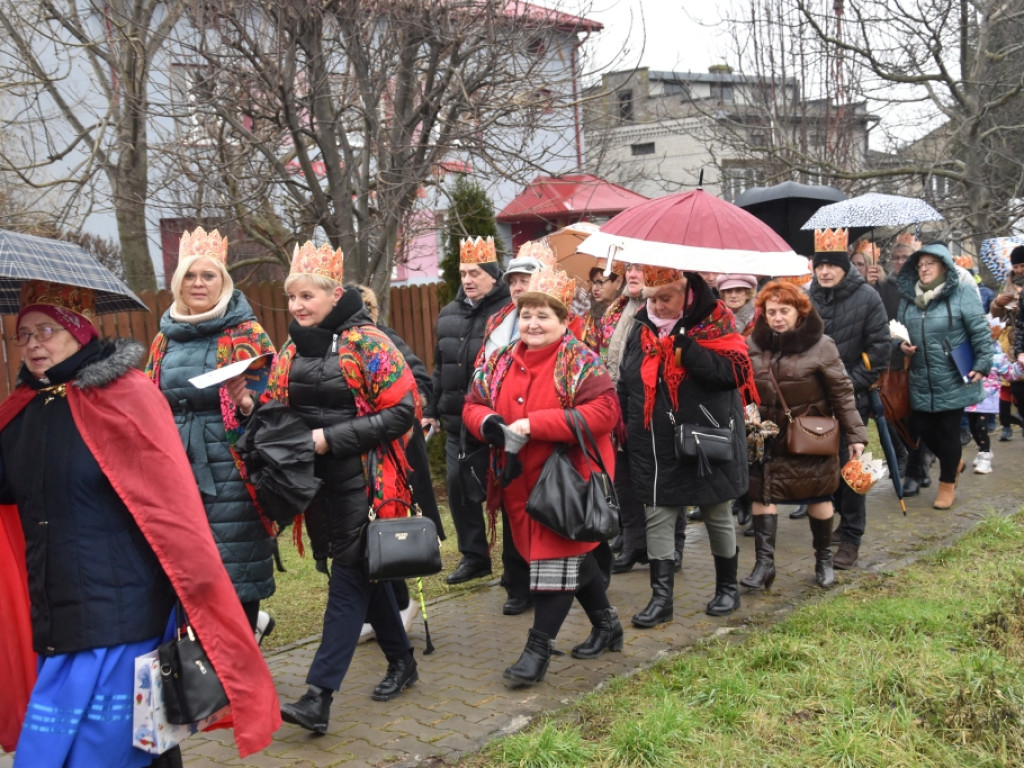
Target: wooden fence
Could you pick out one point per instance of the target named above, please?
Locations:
(413, 314)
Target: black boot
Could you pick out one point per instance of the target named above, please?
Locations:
(800, 511)
(741, 508)
(763, 574)
(626, 559)
(727, 592)
(821, 536)
(616, 543)
(605, 635)
(533, 662)
(169, 759)
(400, 675)
(659, 609)
(312, 711)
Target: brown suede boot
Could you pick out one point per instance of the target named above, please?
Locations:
(947, 493)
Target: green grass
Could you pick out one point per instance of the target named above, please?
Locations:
(922, 667)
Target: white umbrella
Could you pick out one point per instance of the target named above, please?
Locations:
(872, 210)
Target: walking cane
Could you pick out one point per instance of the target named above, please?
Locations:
(429, 649)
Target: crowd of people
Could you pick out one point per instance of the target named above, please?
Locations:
(691, 387)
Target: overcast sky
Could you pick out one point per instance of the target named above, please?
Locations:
(658, 34)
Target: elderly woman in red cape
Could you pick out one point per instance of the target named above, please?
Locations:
(105, 529)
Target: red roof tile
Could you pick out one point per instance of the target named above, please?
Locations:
(569, 197)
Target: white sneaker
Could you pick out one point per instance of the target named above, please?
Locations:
(974, 462)
(983, 466)
(264, 626)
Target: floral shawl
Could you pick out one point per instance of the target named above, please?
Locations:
(378, 378)
(239, 342)
(716, 332)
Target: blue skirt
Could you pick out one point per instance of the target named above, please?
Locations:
(80, 711)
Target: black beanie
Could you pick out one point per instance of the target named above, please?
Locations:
(840, 258)
(1017, 255)
(492, 268)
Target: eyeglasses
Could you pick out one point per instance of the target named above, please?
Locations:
(922, 264)
(599, 283)
(41, 334)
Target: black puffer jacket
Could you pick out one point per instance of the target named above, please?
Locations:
(318, 392)
(460, 334)
(658, 477)
(855, 318)
(806, 366)
(93, 579)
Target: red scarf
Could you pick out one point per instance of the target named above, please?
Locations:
(716, 332)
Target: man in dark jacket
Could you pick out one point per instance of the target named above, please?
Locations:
(855, 319)
(460, 334)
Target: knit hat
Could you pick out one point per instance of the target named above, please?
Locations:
(830, 248)
(74, 308)
(1017, 255)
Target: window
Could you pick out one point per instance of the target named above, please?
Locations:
(722, 92)
(625, 106)
(939, 186)
(191, 91)
(737, 179)
(642, 149)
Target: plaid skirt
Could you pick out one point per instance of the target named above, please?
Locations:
(561, 574)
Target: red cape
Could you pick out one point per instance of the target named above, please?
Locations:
(128, 427)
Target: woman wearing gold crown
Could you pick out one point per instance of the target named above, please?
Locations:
(354, 391)
(210, 324)
(106, 529)
(521, 396)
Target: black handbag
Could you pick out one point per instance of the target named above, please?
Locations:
(473, 487)
(401, 547)
(578, 509)
(191, 688)
(706, 445)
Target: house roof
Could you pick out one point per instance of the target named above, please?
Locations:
(573, 195)
(565, 22)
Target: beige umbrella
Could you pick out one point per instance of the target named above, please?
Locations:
(565, 241)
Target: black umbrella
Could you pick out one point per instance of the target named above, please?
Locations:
(25, 257)
(878, 411)
(277, 448)
(787, 206)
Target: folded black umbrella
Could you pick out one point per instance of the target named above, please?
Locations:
(278, 451)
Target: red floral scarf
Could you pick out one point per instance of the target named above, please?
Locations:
(716, 332)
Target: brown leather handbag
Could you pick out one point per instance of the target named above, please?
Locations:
(807, 434)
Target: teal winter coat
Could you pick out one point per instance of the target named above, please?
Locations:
(952, 317)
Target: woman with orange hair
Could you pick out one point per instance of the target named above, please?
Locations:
(790, 352)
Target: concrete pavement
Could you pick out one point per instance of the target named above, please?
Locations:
(460, 702)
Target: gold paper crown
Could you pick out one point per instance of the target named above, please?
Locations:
(554, 283)
(81, 301)
(323, 261)
(200, 243)
(868, 248)
(655, 277)
(908, 238)
(831, 240)
(539, 250)
(963, 260)
(477, 251)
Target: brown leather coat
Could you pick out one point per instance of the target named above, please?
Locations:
(811, 374)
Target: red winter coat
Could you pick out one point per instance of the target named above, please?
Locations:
(528, 391)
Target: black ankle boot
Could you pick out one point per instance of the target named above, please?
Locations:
(821, 535)
(169, 759)
(312, 711)
(742, 509)
(626, 559)
(605, 635)
(400, 675)
(763, 574)
(727, 592)
(533, 662)
(659, 609)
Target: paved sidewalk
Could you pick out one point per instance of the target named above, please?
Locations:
(460, 702)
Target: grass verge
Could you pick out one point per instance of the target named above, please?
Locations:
(920, 667)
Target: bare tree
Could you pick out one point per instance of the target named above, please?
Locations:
(341, 117)
(75, 76)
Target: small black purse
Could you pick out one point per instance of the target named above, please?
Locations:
(192, 690)
(474, 489)
(578, 509)
(706, 445)
(401, 547)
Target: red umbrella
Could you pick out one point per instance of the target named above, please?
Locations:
(695, 231)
